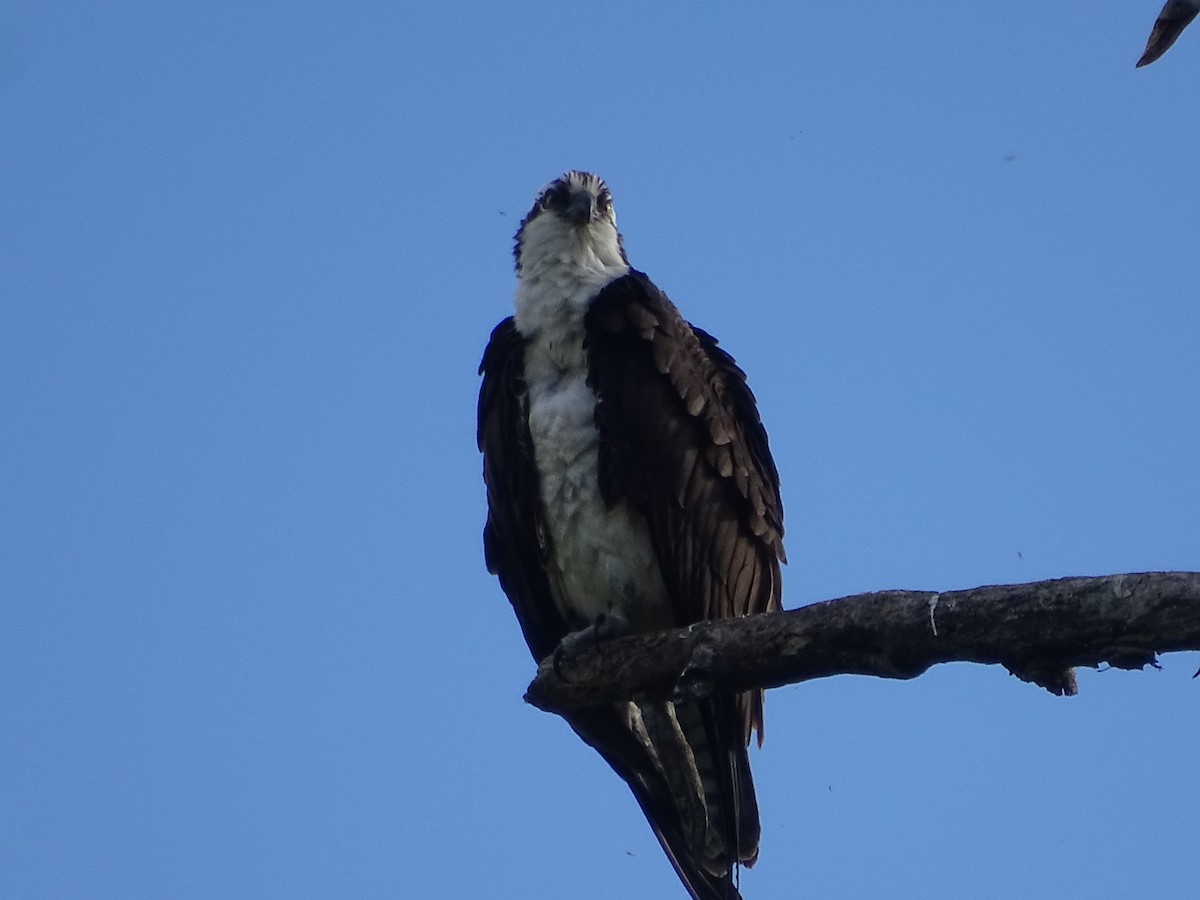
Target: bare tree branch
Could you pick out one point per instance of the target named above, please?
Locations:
(1176, 15)
(1038, 631)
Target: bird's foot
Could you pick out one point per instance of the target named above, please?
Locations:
(605, 627)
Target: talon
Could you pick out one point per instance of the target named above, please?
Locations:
(556, 663)
(605, 626)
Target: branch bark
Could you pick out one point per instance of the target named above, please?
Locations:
(1038, 631)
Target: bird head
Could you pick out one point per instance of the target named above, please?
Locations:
(572, 219)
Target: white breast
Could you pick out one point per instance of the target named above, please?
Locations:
(603, 560)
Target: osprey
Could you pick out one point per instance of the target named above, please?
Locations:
(630, 488)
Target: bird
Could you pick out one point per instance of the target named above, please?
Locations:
(630, 488)
(1176, 15)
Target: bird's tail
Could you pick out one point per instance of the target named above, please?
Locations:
(698, 802)
(703, 762)
(723, 766)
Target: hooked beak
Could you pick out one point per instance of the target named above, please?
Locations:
(582, 208)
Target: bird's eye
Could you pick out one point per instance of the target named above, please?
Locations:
(604, 201)
(556, 196)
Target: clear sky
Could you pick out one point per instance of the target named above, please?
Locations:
(251, 254)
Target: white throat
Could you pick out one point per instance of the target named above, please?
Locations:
(562, 268)
(603, 560)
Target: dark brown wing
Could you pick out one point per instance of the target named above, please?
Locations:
(1176, 15)
(515, 545)
(515, 539)
(681, 439)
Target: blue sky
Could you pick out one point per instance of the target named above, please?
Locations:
(247, 644)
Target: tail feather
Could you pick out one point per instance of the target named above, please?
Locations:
(613, 732)
(724, 764)
(703, 760)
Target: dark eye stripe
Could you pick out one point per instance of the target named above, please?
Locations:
(555, 195)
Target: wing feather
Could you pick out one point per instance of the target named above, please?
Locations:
(516, 541)
(682, 439)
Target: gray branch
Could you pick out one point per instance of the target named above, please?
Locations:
(1038, 631)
